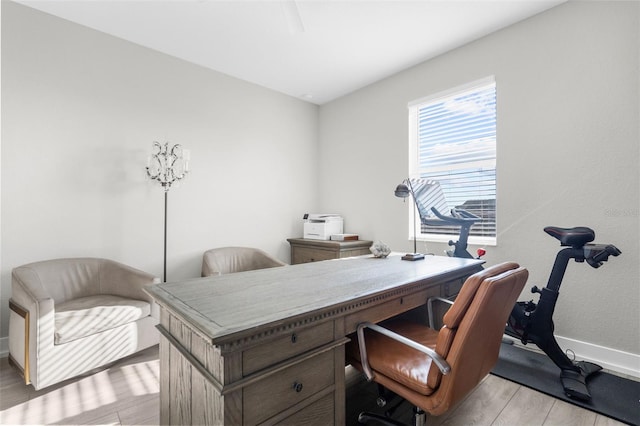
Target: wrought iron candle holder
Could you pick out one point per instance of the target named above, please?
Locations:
(167, 166)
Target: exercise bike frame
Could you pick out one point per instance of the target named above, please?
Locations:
(533, 323)
(461, 218)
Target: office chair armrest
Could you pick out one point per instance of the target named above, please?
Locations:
(430, 308)
(439, 360)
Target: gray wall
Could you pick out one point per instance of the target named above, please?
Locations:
(568, 137)
(80, 110)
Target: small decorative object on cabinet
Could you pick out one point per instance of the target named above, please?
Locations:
(380, 249)
(306, 250)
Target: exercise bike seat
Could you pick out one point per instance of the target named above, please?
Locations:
(574, 237)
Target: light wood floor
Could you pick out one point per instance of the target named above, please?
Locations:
(127, 394)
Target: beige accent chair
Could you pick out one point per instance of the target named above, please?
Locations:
(226, 260)
(70, 316)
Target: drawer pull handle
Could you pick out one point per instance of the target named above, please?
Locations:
(294, 338)
(297, 386)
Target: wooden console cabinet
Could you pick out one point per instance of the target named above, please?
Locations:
(305, 250)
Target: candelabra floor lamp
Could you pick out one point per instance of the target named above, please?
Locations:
(167, 165)
(404, 190)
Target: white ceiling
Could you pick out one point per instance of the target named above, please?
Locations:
(316, 50)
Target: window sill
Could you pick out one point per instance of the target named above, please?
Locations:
(474, 241)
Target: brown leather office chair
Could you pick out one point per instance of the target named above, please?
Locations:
(433, 369)
(226, 260)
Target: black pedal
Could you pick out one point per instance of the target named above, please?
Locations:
(575, 382)
(588, 368)
(575, 385)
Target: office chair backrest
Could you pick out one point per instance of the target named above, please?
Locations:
(226, 260)
(472, 332)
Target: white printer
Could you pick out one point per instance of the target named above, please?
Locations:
(320, 226)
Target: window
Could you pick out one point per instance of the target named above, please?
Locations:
(452, 138)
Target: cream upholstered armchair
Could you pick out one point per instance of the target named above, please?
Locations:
(225, 260)
(69, 316)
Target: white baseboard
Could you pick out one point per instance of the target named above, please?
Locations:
(624, 363)
(618, 362)
(4, 347)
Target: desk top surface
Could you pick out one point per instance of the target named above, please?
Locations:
(227, 307)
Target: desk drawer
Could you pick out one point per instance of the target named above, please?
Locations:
(284, 347)
(306, 255)
(386, 310)
(354, 252)
(268, 397)
(452, 288)
(316, 414)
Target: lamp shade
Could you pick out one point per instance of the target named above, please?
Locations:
(402, 191)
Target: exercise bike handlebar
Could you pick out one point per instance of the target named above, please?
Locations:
(459, 217)
(597, 254)
(594, 254)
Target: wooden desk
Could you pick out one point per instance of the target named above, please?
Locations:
(267, 346)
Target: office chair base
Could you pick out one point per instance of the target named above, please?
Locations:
(419, 418)
(388, 399)
(365, 418)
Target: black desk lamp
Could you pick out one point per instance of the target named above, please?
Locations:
(403, 191)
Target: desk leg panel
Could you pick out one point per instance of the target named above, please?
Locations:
(165, 390)
(231, 365)
(191, 376)
(206, 404)
(340, 393)
(339, 363)
(180, 375)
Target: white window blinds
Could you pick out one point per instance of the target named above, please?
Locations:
(454, 139)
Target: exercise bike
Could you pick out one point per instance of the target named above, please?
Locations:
(465, 220)
(427, 193)
(532, 323)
